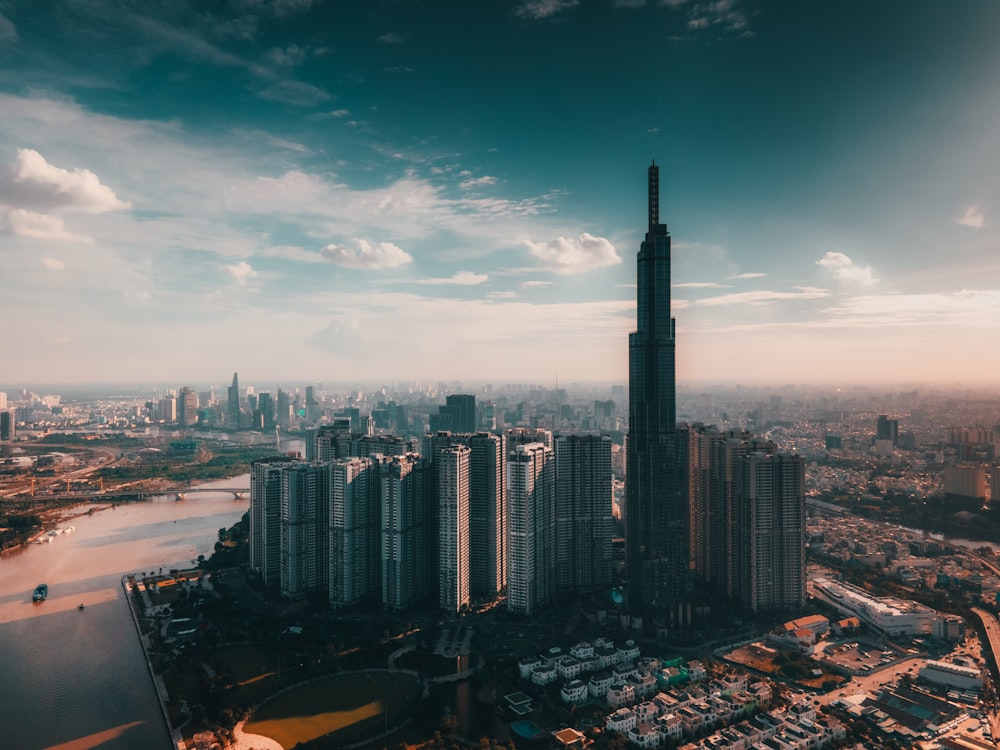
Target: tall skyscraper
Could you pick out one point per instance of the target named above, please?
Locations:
(404, 515)
(6, 425)
(770, 530)
(656, 535)
(531, 557)
(305, 513)
(265, 412)
(187, 407)
(233, 405)
(265, 517)
(463, 409)
(452, 469)
(282, 410)
(354, 558)
(583, 512)
(713, 466)
(487, 514)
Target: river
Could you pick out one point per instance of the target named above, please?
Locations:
(76, 679)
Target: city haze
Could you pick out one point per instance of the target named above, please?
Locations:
(416, 191)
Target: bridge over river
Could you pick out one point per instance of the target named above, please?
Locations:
(134, 493)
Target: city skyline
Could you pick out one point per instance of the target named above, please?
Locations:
(413, 191)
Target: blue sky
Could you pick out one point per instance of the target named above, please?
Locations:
(399, 190)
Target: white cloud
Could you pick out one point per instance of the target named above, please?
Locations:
(461, 278)
(575, 254)
(39, 226)
(53, 264)
(30, 181)
(972, 217)
(750, 275)
(534, 284)
(763, 295)
(391, 38)
(366, 255)
(723, 13)
(477, 182)
(629, 3)
(845, 269)
(538, 9)
(242, 272)
(336, 114)
(699, 285)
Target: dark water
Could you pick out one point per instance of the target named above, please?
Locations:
(76, 679)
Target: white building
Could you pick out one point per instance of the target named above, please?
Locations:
(952, 675)
(574, 691)
(888, 615)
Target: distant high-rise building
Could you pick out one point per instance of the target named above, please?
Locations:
(282, 410)
(452, 470)
(770, 526)
(583, 512)
(404, 519)
(305, 512)
(464, 410)
(354, 548)
(6, 425)
(531, 551)
(167, 409)
(187, 407)
(233, 404)
(965, 481)
(656, 512)
(3, 400)
(265, 412)
(265, 517)
(887, 429)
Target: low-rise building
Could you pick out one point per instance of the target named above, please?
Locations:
(574, 691)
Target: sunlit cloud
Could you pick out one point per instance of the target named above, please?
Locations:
(477, 182)
(40, 226)
(972, 217)
(367, 255)
(575, 254)
(535, 284)
(750, 275)
(698, 285)
(845, 269)
(31, 182)
(241, 272)
(461, 278)
(53, 264)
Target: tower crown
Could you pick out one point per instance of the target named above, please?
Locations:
(655, 227)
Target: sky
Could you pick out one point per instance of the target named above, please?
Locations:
(400, 190)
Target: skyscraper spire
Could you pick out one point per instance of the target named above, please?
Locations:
(654, 197)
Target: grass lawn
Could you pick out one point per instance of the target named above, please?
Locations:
(343, 703)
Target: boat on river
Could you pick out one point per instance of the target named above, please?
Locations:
(41, 591)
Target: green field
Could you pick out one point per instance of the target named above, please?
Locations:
(358, 705)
